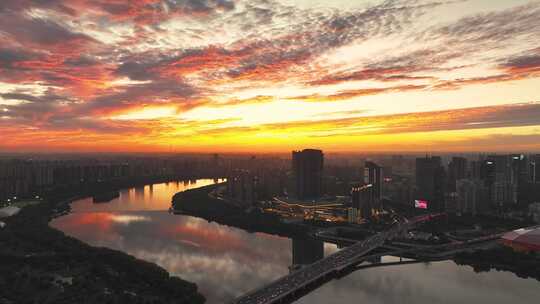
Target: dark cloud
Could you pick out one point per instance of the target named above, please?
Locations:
(152, 12)
(52, 112)
(81, 61)
(37, 109)
(492, 27)
(161, 91)
(10, 56)
(20, 96)
(524, 63)
(20, 5)
(137, 70)
(179, 63)
(39, 32)
(317, 34)
(205, 6)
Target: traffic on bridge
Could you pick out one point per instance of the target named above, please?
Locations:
(334, 263)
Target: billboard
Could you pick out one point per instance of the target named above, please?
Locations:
(420, 204)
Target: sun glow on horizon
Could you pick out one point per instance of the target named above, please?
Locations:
(256, 75)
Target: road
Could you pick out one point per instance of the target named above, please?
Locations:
(336, 262)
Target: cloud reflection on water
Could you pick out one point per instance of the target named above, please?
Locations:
(223, 261)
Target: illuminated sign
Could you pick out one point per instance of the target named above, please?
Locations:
(420, 204)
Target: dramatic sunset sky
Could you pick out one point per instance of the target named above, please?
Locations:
(269, 75)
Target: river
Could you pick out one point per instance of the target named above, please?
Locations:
(226, 262)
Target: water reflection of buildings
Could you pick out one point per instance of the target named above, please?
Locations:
(139, 192)
(305, 252)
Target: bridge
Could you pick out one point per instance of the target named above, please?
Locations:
(324, 269)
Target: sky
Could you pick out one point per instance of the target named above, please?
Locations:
(269, 75)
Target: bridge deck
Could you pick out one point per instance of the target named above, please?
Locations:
(333, 263)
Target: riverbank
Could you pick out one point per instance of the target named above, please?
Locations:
(39, 264)
(502, 259)
(197, 202)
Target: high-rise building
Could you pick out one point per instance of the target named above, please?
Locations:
(399, 190)
(518, 176)
(471, 196)
(242, 187)
(504, 175)
(487, 171)
(362, 200)
(457, 169)
(518, 169)
(307, 168)
(534, 169)
(430, 177)
(373, 176)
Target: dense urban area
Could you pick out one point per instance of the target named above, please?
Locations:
(428, 208)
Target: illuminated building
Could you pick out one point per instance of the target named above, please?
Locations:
(362, 200)
(373, 176)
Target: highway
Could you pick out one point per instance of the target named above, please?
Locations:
(334, 263)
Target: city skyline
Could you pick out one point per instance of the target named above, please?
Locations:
(269, 76)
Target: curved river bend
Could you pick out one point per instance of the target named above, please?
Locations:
(225, 262)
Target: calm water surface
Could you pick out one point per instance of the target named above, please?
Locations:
(226, 262)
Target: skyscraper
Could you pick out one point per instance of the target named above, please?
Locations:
(430, 181)
(504, 174)
(373, 176)
(471, 196)
(518, 176)
(362, 200)
(534, 169)
(457, 169)
(307, 167)
(242, 187)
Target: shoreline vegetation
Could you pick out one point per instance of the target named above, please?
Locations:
(39, 264)
(523, 265)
